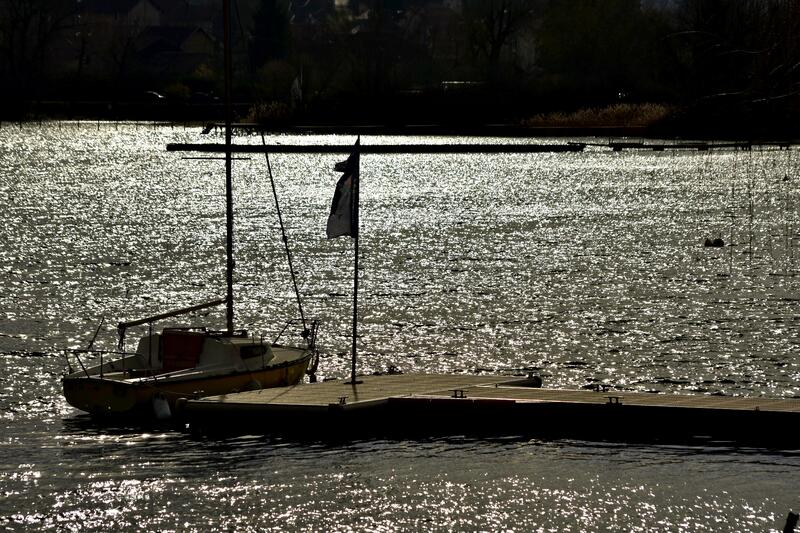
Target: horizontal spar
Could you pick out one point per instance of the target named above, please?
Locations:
(379, 148)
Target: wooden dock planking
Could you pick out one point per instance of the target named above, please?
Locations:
(425, 405)
(525, 394)
(376, 388)
(372, 389)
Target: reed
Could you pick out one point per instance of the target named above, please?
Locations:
(616, 115)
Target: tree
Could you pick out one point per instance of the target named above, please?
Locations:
(491, 25)
(747, 49)
(598, 51)
(270, 38)
(28, 28)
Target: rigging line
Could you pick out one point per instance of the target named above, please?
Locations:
(285, 241)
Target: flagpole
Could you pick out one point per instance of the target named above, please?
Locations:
(356, 181)
(344, 220)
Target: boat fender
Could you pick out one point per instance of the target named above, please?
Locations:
(161, 408)
(253, 385)
(533, 380)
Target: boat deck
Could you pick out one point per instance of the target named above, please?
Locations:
(422, 404)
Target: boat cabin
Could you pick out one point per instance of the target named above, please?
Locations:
(180, 349)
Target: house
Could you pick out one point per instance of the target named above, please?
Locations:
(175, 39)
(175, 51)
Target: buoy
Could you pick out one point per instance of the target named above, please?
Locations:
(253, 384)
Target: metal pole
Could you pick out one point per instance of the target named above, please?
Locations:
(228, 179)
(355, 222)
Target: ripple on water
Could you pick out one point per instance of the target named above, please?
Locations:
(585, 268)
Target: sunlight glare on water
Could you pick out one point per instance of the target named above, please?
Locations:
(583, 267)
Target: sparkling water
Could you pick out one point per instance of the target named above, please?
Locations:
(584, 268)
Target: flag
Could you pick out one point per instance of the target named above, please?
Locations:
(343, 219)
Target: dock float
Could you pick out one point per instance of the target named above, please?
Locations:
(701, 146)
(424, 405)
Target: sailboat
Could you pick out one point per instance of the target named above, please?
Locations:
(190, 362)
(186, 362)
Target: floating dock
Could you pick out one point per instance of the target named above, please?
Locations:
(702, 146)
(443, 148)
(422, 405)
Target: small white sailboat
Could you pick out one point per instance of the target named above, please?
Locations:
(177, 363)
(190, 361)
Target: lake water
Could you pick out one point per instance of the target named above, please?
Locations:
(585, 268)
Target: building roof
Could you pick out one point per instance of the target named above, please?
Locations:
(159, 39)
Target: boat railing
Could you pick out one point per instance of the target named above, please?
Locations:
(77, 352)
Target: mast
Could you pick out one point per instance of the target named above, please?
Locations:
(226, 6)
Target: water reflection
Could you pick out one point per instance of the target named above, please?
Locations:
(253, 484)
(589, 268)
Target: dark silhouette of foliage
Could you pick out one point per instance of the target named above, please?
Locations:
(28, 29)
(491, 25)
(739, 59)
(442, 60)
(599, 50)
(271, 34)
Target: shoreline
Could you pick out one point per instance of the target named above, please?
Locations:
(692, 126)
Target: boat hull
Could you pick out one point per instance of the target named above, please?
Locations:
(148, 397)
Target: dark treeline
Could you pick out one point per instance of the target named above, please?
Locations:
(722, 62)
